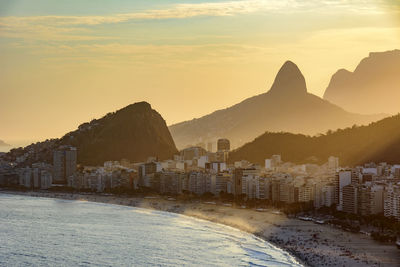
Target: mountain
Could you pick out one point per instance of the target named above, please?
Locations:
(377, 142)
(3, 144)
(373, 87)
(135, 132)
(285, 107)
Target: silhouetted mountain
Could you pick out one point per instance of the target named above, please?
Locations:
(373, 87)
(286, 107)
(2, 143)
(135, 132)
(377, 142)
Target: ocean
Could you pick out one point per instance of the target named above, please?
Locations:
(55, 232)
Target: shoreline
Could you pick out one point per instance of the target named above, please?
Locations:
(310, 244)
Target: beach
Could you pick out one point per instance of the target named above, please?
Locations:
(313, 244)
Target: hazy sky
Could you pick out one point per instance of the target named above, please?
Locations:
(65, 62)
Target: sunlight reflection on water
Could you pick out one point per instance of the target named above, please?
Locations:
(48, 232)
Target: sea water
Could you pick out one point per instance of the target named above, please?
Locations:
(55, 232)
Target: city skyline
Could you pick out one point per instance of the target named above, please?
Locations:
(79, 61)
(148, 133)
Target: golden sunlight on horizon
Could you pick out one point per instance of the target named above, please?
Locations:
(64, 64)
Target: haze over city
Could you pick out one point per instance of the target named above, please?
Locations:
(200, 133)
(68, 62)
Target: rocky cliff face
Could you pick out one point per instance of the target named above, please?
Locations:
(134, 133)
(285, 107)
(373, 87)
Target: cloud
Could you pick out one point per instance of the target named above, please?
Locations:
(55, 27)
(177, 11)
(151, 54)
(228, 8)
(111, 55)
(81, 27)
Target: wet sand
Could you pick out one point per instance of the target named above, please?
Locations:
(314, 244)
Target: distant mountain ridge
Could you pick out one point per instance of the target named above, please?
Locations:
(373, 87)
(377, 142)
(285, 107)
(2, 143)
(135, 132)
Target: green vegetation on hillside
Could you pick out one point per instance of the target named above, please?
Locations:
(377, 142)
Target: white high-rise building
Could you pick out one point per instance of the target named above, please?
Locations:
(343, 178)
(25, 177)
(392, 202)
(250, 186)
(220, 184)
(328, 195)
(46, 179)
(264, 185)
(201, 162)
(268, 164)
(276, 160)
(333, 164)
(371, 199)
(64, 164)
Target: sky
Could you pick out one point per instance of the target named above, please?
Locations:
(66, 62)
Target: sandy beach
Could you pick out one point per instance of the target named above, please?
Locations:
(313, 244)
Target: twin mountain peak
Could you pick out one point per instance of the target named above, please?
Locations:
(287, 106)
(137, 131)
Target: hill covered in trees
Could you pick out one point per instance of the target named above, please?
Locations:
(377, 142)
(135, 132)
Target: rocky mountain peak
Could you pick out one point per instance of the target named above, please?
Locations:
(289, 81)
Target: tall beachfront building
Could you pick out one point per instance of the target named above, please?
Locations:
(64, 164)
